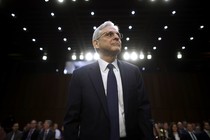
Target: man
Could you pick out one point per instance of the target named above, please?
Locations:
(32, 133)
(15, 134)
(90, 109)
(205, 133)
(57, 131)
(47, 133)
(190, 134)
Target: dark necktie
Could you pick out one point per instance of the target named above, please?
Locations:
(29, 134)
(112, 100)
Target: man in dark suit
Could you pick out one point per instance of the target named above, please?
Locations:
(190, 134)
(47, 133)
(205, 133)
(15, 134)
(32, 133)
(88, 115)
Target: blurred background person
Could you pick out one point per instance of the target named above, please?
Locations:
(2, 133)
(15, 134)
(32, 133)
(190, 134)
(174, 134)
(47, 133)
(57, 132)
(205, 131)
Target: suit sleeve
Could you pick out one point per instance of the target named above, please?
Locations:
(71, 119)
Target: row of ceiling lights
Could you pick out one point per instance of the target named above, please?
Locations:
(133, 56)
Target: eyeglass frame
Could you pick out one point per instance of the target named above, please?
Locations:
(107, 34)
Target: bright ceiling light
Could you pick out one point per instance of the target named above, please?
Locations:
(126, 56)
(141, 56)
(149, 56)
(89, 56)
(61, 1)
(179, 55)
(134, 56)
(73, 57)
(81, 57)
(133, 12)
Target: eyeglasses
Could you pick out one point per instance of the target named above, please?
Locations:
(111, 34)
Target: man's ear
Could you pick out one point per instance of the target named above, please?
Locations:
(95, 44)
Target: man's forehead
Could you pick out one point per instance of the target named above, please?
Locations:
(110, 28)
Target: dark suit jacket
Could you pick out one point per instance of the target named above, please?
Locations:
(186, 136)
(172, 136)
(34, 135)
(204, 136)
(50, 135)
(87, 115)
(18, 135)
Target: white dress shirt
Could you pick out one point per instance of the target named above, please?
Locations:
(57, 134)
(104, 73)
(192, 135)
(176, 136)
(207, 132)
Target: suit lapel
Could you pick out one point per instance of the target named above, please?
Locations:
(95, 76)
(123, 73)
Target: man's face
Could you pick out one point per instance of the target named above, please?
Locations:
(206, 126)
(190, 127)
(46, 125)
(15, 127)
(33, 124)
(109, 42)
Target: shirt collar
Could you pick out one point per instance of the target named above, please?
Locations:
(103, 64)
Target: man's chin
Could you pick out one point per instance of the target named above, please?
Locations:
(117, 48)
(113, 52)
(116, 51)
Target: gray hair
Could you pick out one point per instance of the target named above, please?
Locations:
(49, 122)
(97, 31)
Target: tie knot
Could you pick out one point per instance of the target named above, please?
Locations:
(110, 66)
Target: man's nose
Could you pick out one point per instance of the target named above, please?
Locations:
(116, 36)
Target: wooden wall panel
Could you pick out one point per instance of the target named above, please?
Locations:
(173, 96)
